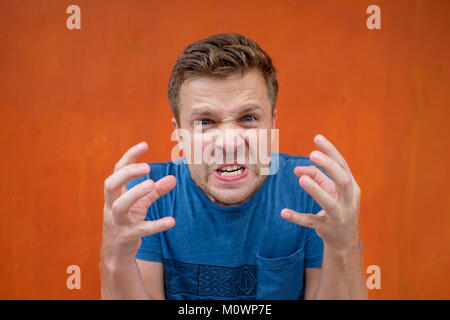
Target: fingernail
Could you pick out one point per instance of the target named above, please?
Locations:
(141, 145)
(168, 222)
(148, 184)
(320, 138)
(306, 181)
(286, 214)
(143, 166)
(316, 155)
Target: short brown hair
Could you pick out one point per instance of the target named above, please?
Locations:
(219, 56)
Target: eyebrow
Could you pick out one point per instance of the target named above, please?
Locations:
(251, 107)
(206, 111)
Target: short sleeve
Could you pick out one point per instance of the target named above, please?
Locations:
(150, 249)
(313, 245)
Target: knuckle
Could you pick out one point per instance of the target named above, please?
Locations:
(115, 208)
(140, 229)
(343, 164)
(133, 169)
(138, 167)
(148, 228)
(315, 171)
(347, 180)
(108, 185)
(117, 166)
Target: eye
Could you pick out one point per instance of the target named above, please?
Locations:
(206, 122)
(248, 119)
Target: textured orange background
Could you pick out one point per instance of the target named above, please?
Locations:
(71, 102)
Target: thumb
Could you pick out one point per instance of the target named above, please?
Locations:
(147, 228)
(308, 220)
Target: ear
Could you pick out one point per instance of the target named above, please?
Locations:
(175, 127)
(174, 123)
(274, 119)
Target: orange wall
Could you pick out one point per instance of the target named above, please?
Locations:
(71, 102)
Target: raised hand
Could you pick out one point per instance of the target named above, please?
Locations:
(338, 223)
(125, 210)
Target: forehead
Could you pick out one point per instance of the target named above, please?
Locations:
(223, 95)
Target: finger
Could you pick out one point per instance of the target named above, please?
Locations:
(122, 205)
(318, 176)
(115, 182)
(320, 195)
(147, 228)
(162, 187)
(330, 150)
(308, 220)
(340, 176)
(308, 170)
(131, 155)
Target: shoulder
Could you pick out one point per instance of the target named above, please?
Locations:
(295, 159)
(287, 162)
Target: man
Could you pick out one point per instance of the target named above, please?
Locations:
(229, 229)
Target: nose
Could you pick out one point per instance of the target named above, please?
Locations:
(232, 145)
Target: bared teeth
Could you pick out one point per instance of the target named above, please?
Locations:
(230, 168)
(232, 173)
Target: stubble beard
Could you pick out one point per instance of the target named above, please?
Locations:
(202, 173)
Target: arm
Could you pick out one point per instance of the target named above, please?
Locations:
(122, 280)
(342, 275)
(153, 278)
(124, 225)
(312, 278)
(324, 284)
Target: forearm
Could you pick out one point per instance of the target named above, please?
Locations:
(122, 281)
(342, 275)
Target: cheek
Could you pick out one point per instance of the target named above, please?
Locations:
(260, 147)
(193, 150)
(199, 173)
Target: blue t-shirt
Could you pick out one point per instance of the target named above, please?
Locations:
(246, 251)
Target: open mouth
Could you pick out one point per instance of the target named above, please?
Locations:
(231, 172)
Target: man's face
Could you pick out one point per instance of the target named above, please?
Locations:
(230, 108)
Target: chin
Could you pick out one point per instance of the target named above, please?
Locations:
(233, 196)
(227, 192)
(227, 198)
